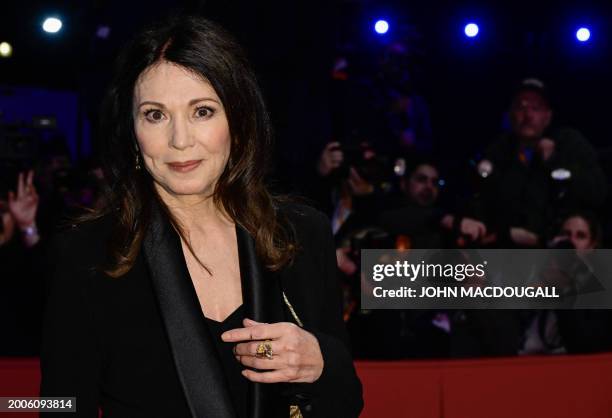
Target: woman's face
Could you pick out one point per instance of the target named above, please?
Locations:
(577, 231)
(182, 130)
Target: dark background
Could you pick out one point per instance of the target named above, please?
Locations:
(293, 44)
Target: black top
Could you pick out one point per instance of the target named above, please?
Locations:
(231, 367)
(138, 346)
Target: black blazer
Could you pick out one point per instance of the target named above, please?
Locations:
(138, 346)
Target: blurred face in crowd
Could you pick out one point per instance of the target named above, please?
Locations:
(576, 229)
(181, 129)
(422, 185)
(530, 115)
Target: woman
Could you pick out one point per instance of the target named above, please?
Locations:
(582, 230)
(194, 293)
(585, 330)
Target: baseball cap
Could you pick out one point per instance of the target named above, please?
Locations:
(535, 85)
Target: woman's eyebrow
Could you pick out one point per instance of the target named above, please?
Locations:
(148, 102)
(202, 99)
(191, 102)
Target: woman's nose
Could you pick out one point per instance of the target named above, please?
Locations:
(181, 135)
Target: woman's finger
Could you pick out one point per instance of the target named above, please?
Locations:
(275, 376)
(256, 332)
(274, 363)
(248, 322)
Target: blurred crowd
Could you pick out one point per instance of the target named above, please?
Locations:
(539, 184)
(40, 189)
(383, 184)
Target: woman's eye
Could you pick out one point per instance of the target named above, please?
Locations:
(203, 112)
(154, 115)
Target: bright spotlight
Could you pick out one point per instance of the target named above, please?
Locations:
(52, 25)
(6, 50)
(381, 27)
(583, 34)
(471, 30)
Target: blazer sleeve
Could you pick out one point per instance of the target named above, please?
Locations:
(69, 359)
(338, 391)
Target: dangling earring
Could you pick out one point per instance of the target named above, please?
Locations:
(137, 165)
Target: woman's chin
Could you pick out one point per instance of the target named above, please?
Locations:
(203, 190)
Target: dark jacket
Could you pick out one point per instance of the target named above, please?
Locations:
(420, 224)
(526, 195)
(138, 346)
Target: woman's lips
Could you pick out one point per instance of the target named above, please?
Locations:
(184, 167)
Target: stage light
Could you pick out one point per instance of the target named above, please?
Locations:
(471, 30)
(6, 50)
(52, 25)
(381, 27)
(103, 32)
(583, 34)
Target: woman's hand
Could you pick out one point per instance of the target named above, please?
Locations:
(296, 355)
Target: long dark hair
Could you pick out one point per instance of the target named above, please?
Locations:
(207, 50)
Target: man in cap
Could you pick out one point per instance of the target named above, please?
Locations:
(537, 173)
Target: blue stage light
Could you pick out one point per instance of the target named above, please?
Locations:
(52, 25)
(381, 27)
(583, 34)
(471, 30)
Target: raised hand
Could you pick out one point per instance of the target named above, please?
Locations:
(23, 204)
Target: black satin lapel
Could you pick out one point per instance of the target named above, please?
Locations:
(262, 300)
(195, 356)
(260, 288)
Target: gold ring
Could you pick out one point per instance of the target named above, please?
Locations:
(264, 349)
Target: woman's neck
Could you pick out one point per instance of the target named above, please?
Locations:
(195, 212)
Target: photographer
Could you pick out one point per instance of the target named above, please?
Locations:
(350, 186)
(421, 218)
